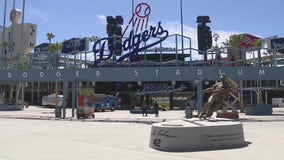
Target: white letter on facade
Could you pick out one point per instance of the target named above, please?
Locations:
(10, 75)
(136, 72)
(157, 72)
(58, 74)
(77, 73)
(178, 72)
(199, 72)
(41, 74)
(25, 74)
(98, 73)
(261, 72)
(240, 72)
(220, 71)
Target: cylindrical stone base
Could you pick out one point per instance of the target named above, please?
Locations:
(195, 134)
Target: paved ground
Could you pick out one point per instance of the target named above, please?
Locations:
(34, 134)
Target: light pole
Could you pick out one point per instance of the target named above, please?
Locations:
(181, 26)
(216, 37)
(3, 37)
(22, 31)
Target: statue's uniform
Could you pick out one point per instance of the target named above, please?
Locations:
(220, 91)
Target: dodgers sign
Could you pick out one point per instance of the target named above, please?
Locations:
(138, 35)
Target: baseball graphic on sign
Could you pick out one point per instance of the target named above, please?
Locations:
(139, 18)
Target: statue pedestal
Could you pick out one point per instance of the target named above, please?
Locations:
(195, 135)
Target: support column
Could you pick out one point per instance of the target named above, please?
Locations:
(171, 97)
(147, 99)
(73, 98)
(142, 100)
(38, 93)
(32, 100)
(65, 95)
(199, 85)
(242, 107)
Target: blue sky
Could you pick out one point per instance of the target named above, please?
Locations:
(80, 18)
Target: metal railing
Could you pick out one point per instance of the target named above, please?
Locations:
(186, 56)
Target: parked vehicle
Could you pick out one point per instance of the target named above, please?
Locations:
(101, 102)
(277, 102)
(50, 100)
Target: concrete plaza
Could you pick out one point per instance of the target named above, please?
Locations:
(35, 134)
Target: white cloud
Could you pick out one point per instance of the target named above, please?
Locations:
(191, 32)
(35, 14)
(175, 28)
(102, 19)
(223, 36)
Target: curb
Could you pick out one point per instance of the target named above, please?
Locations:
(126, 120)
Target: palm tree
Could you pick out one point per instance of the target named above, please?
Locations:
(50, 36)
(258, 43)
(55, 48)
(234, 45)
(4, 46)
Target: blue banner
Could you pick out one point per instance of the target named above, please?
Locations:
(73, 45)
(278, 44)
(43, 47)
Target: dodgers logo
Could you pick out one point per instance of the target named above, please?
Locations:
(139, 33)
